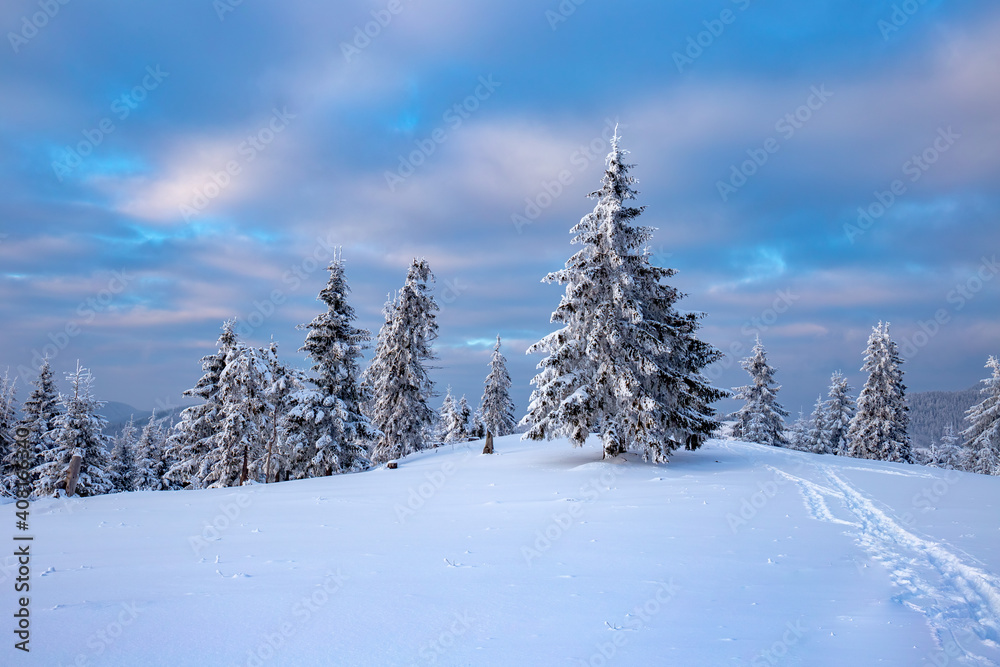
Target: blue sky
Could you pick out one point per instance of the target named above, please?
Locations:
(168, 166)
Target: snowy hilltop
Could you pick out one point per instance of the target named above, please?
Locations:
(541, 554)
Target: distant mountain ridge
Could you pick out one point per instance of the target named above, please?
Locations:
(118, 415)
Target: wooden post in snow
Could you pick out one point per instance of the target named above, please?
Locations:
(73, 476)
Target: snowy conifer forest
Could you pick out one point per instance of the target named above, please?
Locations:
(447, 333)
(622, 376)
(625, 365)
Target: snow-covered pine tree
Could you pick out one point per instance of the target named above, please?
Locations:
(446, 417)
(326, 423)
(495, 407)
(8, 415)
(79, 429)
(123, 457)
(982, 436)
(149, 463)
(761, 417)
(464, 419)
(625, 363)
(948, 452)
(818, 436)
(878, 429)
(397, 379)
(478, 426)
(286, 457)
(38, 414)
(8, 404)
(245, 411)
(838, 412)
(798, 433)
(194, 435)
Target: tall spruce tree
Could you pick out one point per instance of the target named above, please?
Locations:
(149, 461)
(397, 378)
(447, 417)
(982, 436)
(9, 456)
(38, 415)
(288, 456)
(326, 423)
(245, 410)
(948, 452)
(625, 363)
(818, 437)
(761, 419)
(123, 457)
(879, 427)
(837, 413)
(797, 434)
(79, 429)
(496, 410)
(194, 435)
(8, 409)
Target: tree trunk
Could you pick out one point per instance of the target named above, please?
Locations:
(73, 476)
(488, 449)
(243, 473)
(270, 444)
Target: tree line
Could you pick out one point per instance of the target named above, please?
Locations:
(626, 364)
(875, 424)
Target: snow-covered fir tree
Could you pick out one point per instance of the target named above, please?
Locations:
(79, 429)
(245, 411)
(8, 451)
(837, 413)
(8, 405)
(194, 435)
(123, 457)
(447, 417)
(879, 427)
(478, 431)
(285, 458)
(818, 437)
(327, 429)
(948, 452)
(464, 418)
(625, 363)
(761, 419)
(38, 414)
(397, 379)
(495, 407)
(982, 436)
(798, 433)
(149, 464)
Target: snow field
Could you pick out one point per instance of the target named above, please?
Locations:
(736, 554)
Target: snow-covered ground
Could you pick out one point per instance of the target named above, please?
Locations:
(539, 555)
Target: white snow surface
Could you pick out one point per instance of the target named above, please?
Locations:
(541, 554)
